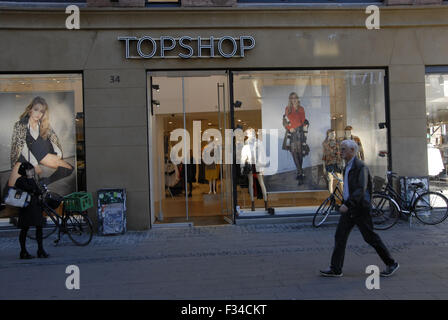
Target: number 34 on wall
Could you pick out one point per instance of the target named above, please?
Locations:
(114, 79)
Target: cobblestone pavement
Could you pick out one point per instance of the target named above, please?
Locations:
(278, 261)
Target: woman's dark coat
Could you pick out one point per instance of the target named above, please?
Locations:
(32, 214)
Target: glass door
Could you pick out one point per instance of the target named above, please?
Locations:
(190, 183)
(167, 183)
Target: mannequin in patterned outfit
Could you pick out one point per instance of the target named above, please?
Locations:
(331, 157)
(348, 136)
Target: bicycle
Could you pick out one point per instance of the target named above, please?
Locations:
(329, 205)
(76, 224)
(429, 207)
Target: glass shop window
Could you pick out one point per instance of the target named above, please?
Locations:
(436, 85)
(42, 122)
(300, 118)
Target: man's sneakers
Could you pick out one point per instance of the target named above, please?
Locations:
(330, 273)
(390, 270)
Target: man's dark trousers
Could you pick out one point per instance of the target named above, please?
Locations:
(364, 222)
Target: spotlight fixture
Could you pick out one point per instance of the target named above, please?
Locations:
(156, 103)
(237, 104)
(79, 115)
(156, 87)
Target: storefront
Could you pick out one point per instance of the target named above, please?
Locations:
(133, 86)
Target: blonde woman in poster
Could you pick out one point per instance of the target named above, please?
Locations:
(34, 141)
(296, 126)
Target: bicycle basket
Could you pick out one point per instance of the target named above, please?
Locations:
(378, 183)
(78, 201)
(53, 200)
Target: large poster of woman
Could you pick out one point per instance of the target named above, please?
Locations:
(39, 127)
(301, 114)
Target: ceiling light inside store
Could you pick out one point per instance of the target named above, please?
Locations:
(445, 88)
(156, 103)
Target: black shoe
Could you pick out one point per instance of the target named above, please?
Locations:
(25, 255)
(330, 273)
(390, 270)
(42, 254)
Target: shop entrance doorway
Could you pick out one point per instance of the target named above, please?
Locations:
(190, 192)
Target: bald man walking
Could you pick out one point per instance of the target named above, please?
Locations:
(355, 210)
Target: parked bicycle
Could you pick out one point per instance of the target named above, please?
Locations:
(73, 221)
(329, 205)
(429, 207)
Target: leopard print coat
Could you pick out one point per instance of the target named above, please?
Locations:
(19, 139)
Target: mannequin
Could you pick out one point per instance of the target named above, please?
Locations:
(171, 175)
(348, 136)
(249, 166)
(212, 172)
(332, 161)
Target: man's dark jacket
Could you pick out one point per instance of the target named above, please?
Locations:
(359, 182)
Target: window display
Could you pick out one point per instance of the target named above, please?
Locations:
(436, 107)
(307, 114)
(39, 124)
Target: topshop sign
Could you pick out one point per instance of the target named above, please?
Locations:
(186, 47)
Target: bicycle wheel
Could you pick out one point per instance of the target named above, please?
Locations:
(48, 228)
(384, 213)
(431, 207)
(324, 210)
(79, 228)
